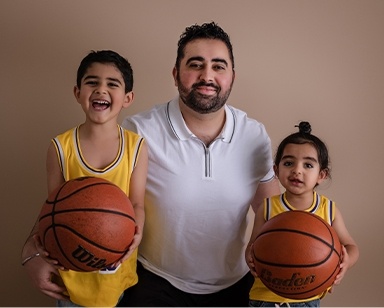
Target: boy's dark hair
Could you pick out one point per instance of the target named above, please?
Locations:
(107, 57)
(302, 137)
(205, 31)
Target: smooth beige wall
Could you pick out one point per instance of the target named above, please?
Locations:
(320, 61)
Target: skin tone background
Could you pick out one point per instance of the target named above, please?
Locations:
(320, 61)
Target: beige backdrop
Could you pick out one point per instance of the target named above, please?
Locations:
(320, 61)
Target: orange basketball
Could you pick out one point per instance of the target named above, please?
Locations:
(87, 224)
(297, 255)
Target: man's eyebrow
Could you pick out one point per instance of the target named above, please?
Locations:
(220, 60)
(195, 59)
(198, 58)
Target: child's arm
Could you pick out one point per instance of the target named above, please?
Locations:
(136, 196)
(257, 224)
(264, 190)
(54, 175)
(41, 269)
(54, 179)
(350, 249)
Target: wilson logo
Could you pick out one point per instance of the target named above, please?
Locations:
(84, 256)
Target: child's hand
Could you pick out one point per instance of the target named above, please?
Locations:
(45, 254)
(43, 272)
(46, 278)
(249, 260)
(343, 266)
(135, 243)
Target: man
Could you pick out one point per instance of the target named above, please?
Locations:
(208, 162)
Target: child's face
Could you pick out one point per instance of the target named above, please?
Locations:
(102, 92)
(299, 170)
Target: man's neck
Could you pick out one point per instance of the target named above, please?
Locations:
(205, 126)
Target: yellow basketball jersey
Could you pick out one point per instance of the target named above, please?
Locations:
(322, 207)
(99, 288)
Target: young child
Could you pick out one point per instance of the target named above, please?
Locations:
(102, 148)
(301, 163)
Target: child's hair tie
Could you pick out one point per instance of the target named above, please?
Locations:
(304, 127)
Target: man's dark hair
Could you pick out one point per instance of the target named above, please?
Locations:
(205, 31)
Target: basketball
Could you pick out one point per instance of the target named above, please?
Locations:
(297, 255)
(87, 224)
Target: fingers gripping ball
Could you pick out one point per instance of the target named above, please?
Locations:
(297, 255)
(87, 224)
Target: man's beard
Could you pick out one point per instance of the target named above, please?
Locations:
(200, 103)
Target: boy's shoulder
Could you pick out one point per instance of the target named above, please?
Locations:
(67, 132)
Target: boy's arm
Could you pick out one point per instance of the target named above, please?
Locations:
(38, 269)
(136, 196)
(54, 175)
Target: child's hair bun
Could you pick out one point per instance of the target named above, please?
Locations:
(304, 127)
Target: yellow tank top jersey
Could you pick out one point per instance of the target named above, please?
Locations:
(104, 287)
(321, 206)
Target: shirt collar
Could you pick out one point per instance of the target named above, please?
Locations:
(181, 130)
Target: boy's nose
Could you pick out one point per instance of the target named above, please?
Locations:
(100, 90)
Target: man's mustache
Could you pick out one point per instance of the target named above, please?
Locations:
(204, 84)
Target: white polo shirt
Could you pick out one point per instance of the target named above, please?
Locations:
(198, 197)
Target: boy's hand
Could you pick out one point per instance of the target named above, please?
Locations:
(135, 244)
(45, 254)
(45, 277)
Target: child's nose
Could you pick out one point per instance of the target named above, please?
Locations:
(101, 89)
(296, 170)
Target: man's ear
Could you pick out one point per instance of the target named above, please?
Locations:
(174, 74)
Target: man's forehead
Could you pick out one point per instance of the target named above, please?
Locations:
(207, 49)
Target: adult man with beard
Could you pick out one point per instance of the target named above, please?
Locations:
(208, 162)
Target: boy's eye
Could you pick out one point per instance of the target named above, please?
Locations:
(91, 82)
(287, 163)
(309, 166)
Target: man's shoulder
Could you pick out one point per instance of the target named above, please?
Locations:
(153, 111)
(241, 116)
(147, 119)
(129, 133)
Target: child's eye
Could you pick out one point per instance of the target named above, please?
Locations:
(287, 163)
(113, 85)
(309, 166)
(91, 82)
